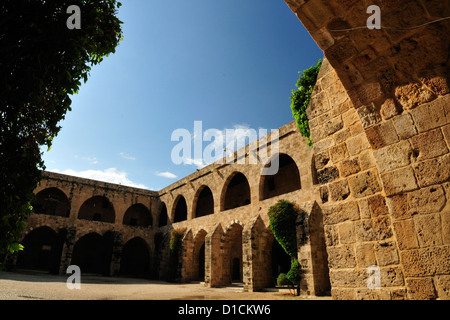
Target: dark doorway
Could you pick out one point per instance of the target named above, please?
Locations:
(205, 203)
(42, 251)
(135, 259)
(237, 192)
(92, 253)
(201, 263)
(236, 270)
(281, 261)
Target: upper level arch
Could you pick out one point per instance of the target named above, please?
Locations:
(162, 217)
(97, 208)
(52, 201)
(235, 192)
(138, 215)
(179, 211)
(287, 178)
(203, 202)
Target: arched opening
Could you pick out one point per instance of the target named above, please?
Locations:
(42, 251)
(199, 256)
(287, 179)
(281, 261)
(97, 208)
(205, 202)
(237, 192)
(92, 253)
(232, 255)
(135, 259)
(51, 201)
(162, 221)
(180, 213)
(137, 216)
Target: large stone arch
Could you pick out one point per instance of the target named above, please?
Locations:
(42, 250)
(203, 203)
(235, 192)
(232, 253)
(135, 259)
(138, 215)
(97, 208)
(287, 178)
(179, 209)
(52, 201)
(163, 217)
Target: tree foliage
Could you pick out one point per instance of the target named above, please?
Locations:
(175, 246)
(42, 63)
(302, 96)
(282, 220)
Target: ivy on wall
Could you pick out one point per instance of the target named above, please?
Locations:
(282, 220)
(176, 241)
(302, 96)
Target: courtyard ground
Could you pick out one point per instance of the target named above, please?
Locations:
(26, 285)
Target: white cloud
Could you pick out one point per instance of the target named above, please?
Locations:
(91, 160)
(125, 156)
(196, 162)
(168, 175)
(111, 175)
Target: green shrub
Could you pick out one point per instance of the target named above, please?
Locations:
(282, 280)
(302, 96)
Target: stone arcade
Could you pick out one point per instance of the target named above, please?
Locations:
(373, 191)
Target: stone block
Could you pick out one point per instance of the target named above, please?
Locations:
(412, 95)
(324, 194)
(428, 230)
(426, 200)
(442, 284)
(364, 184)
(321, 159)
(389, 109)
(405, 126)
(368, 115)
(429, 145)
(341, 257)
(346, 232)
(399, 181)
(382, 135)
(432, 115)
(426, 261)
(343, 293)
(367, 160)
(377, 206)
(331, 235)
(433, 171)
(386, 253)
(333, 125)
(339, 190)
(406, 235)
(373, 294)
(421, 289)
(398, 206)
(446, 131)
(365, 254)
(339, 152)
(445, 217)
(337, 213)
(327, 175)
(357, 144)
(373, 229)
(393, 156)
(349, 167)
(392, 277)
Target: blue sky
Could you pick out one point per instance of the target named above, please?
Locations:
(227, 63)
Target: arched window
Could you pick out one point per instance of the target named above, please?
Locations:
(204, 204)
(162, 221)
(236, 192)
(287, 179)
(180, 213)
(97, 208)
(138, 215)
(52, 201)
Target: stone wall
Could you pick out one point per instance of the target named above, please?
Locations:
(380, 119)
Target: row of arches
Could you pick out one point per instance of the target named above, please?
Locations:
(93, 253)
(236, 192)
(228, 253)
(53, 201)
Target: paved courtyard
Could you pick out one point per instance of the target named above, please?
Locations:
(39, 286)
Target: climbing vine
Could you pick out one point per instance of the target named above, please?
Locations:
(176, 241)
(302, 96)
(282, 219)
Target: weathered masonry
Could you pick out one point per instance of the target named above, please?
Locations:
(373, 191)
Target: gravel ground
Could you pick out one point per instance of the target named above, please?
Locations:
(40, 286)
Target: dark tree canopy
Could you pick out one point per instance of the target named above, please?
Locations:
(42, 63)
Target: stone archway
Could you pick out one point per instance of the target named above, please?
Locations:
(97, 208)
(52, 201)
(236, 192)
(135, 259)
(138, 215)
(231, 254)
(179, 209)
